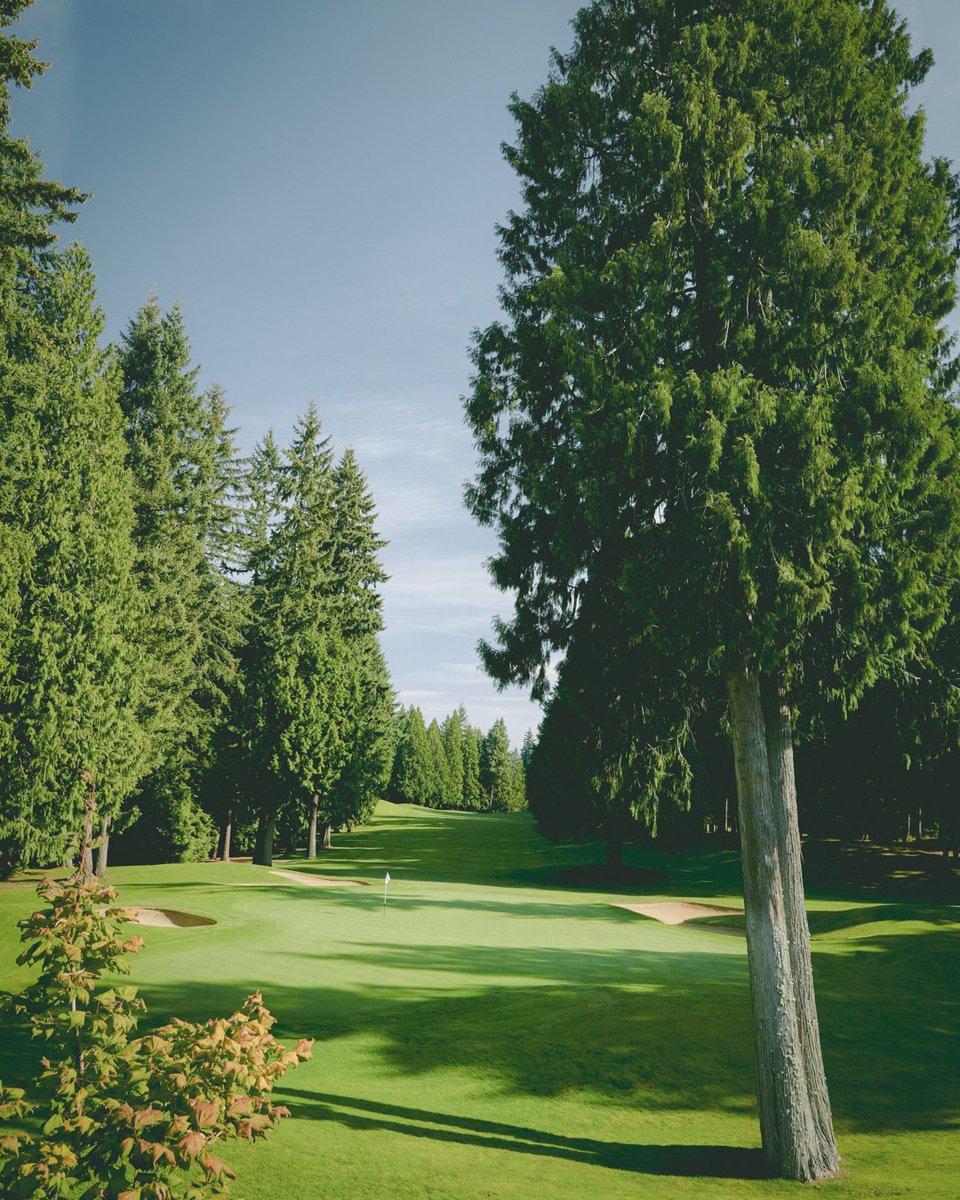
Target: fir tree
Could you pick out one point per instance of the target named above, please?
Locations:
(297, 681)
(473, 798)
(453, 753)
(71, 696)
(496, 769)
(412, 781)
(724, 364)
(439, 794)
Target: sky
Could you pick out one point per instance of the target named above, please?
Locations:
(317, 183)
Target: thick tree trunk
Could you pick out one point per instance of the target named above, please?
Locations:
(327, 842)
(263, 852)
(312, 830)
(788, 1125)
(779, 730)
(103, 850)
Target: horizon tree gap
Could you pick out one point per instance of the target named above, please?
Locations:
(721, 389)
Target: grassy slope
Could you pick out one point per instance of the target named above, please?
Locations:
(496, 1035)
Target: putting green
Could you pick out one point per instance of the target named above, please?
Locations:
(494, 1033)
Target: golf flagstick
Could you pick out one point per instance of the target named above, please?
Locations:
(386, 883)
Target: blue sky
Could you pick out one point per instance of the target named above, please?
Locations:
(317, 183)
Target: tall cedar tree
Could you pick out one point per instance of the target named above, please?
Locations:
(181, 455)
(29, 207)
(412, 780)
(724, 357)
(473, 798)
(452, 731)
(70, 694)
(440, 792)
(496, 769)
(356, 577)
(298, 681)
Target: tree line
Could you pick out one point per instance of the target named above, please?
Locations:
(453, 764)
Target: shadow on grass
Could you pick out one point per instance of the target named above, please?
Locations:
(720, 1162)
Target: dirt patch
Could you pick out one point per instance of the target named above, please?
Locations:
(318, 880)
(677, 912)
(168, 918)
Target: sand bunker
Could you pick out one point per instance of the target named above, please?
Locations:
(317, 880)
(168, 918)
(676, 912)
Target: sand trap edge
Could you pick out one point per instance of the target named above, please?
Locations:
(679, 912)
(168, 918)
(322, 881)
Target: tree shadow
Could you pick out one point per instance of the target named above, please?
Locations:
(719, 1162)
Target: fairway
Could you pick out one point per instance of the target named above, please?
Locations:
(492, 1033)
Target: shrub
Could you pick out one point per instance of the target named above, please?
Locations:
(115, 1116)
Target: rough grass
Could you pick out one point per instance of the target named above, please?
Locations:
(497, 1034)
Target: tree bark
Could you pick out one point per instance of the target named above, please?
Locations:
(227, 836)
(327, 842)
(86, 850)
(312, 831)
(788, 1126)
(779, 736)
(103, 850)
(263, 852)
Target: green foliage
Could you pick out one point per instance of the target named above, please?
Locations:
(70, 669)
(720, 385)
(120, 1116)
(317, 697)
(496, 769)
(29, 204)
(182, 457)
(412, 779)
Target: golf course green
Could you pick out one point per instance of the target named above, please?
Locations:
(502, 1029)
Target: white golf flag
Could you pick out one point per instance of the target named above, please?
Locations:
(387, 880)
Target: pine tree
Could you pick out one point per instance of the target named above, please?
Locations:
(297, 681)
(724, 367)
(453, 753)
(439, 788)
(71, 694)
(181, 455)
(496, 768)
(412, 781)
(30, 205)
(473, 797)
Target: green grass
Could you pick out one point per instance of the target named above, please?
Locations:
(497, 1034)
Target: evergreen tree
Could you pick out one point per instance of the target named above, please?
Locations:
(356, 574)
(181, 454)
(473, 797)
(30, 205)
(297, 678)
(70, 694)
(496, 769)
(412, 781)
(526, 750)
(724, 365)
(440, 789)
(453, 753)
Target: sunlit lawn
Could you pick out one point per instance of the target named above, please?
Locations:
(493, 1033)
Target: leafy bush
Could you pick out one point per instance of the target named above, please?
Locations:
(117, 1116)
